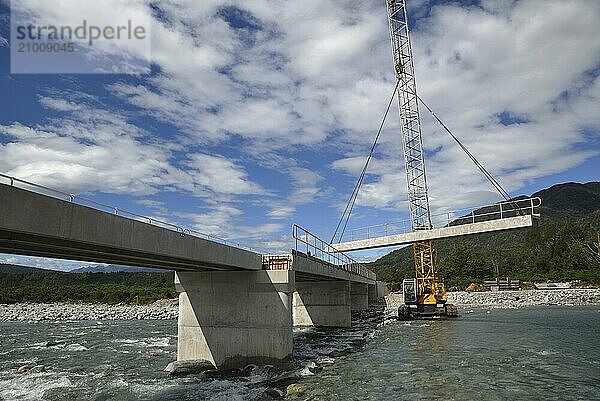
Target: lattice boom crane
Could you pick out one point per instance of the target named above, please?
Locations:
(423, 295)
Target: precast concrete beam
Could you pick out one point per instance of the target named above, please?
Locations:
(322, 303)
(316, 267)
(40, 225)
(437, 233)
(235, 318)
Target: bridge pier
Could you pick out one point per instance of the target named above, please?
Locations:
(322, 303)
(359, 296)
(372, 289)
(234, 318)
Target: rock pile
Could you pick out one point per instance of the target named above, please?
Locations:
(162, 310)
(516, 299)
(512, 299)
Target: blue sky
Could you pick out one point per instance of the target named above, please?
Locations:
(256, 114)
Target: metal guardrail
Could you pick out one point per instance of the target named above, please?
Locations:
(314, 247)
(183, 231)
(497, 211)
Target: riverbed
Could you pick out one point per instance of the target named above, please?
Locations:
(537, 352)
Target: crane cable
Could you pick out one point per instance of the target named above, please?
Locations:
(486, 173)
(350, 205)
(345, 217)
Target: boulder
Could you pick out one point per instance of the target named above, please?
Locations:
(182, 368)
(295, 390)
(274, 393)
(25, 368)
(37, 369)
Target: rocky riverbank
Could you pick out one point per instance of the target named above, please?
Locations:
(513, 299)
(167, 309)
(161, 310)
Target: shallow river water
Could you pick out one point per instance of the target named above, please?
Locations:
(534, 353)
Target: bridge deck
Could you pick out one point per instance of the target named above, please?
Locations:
(311, 268)
(436, 233)
(35, 224)
(39, 225)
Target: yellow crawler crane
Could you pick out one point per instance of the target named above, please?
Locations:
(423, 295)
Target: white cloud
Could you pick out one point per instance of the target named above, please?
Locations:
(109, 55)
(305, 190)
(117, 164)
(44, 263)
(473, 64)
(315, 76)
(221, 176)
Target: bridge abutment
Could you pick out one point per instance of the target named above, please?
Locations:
(234, 318)
(322, 303)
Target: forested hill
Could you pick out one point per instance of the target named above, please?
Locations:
(563, 247)
(29, 284)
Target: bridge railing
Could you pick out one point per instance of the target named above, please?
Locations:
(314, 247)
(497, 211)
(55, 193)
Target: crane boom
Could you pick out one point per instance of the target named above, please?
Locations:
(409, 115)
(422, 295)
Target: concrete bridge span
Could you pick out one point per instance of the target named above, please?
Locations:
(235, 305)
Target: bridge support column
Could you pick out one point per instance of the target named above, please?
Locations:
(322, 303)
(359, 295)
(234, 318)
(372, 293)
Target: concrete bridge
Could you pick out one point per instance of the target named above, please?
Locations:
(235, 305)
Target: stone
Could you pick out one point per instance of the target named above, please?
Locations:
(295, 390)
(274, 393)
(37, 369)
(26, 368)
(182, 368)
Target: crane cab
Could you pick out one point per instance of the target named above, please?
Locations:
(416, 306)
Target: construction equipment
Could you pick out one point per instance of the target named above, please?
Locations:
(424, 295)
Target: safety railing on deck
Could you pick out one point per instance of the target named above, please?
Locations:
(55, 193)
(313, 247)
(497, 211)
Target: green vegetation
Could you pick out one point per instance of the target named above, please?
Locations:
(22, 284)
(563, 247)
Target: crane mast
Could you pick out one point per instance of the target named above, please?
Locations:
(422, 295)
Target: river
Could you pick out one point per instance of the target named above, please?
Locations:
(533, 353)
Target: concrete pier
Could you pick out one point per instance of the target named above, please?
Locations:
(322, 303)
(359, 296)
(234, 318)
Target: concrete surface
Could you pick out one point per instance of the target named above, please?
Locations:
(322, 303)
(235, 318)
(310, 266)
(39, 225)
(359, 296)
(436, 233)
(381, 289)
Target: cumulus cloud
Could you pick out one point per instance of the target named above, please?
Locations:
(222, 176)
(108, 56)
(94, 150)
(272, 82)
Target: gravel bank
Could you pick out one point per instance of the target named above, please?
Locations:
(160, 310)
(516, 299)
(513, 299)
(167, 309)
